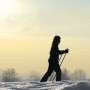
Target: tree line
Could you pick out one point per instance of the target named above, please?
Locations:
(10, 75)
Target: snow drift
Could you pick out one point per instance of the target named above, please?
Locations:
(63, 85)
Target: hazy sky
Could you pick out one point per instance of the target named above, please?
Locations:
(27, 28)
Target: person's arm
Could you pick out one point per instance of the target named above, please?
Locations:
(63, 51)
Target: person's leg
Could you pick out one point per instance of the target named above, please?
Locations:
(47, 74)
(58, 72)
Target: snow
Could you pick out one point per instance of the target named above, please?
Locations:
(63, 85)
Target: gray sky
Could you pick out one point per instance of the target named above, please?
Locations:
(45, 18)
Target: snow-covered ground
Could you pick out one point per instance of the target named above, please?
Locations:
(63, 85)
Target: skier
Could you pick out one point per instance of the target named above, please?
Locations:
(53, 60)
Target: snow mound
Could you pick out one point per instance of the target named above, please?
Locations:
(63, 85)
(84, 85)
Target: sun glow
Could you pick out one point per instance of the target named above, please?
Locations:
(8, 7)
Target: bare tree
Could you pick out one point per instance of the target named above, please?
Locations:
(65, 74)
(34, 76)
(78, 75)
(10, 75)
(1, 74)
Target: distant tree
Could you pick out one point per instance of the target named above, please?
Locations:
(1, 74)
(78, 75)
(10, 75)
(65, 74)
(88, 79)
(34, 76)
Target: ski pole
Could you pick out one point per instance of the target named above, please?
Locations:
(62, 60)
(60, 65)
(53, 71)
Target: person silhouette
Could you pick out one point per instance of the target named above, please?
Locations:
(53, 60)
